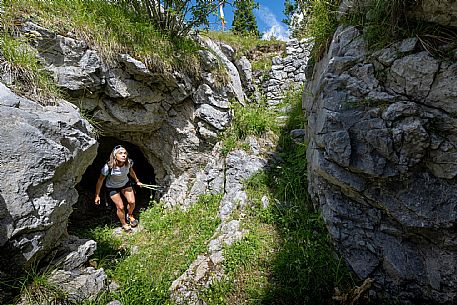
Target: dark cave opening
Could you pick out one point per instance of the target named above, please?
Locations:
(85, 213)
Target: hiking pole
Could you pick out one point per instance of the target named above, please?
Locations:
(152, 186)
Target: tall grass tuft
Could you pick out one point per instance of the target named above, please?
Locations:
(252, 119)
(20, 68)
(33, 287)
(321, 24)
(382, 21)
(386, 21)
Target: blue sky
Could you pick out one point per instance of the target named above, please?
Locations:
(269, 18)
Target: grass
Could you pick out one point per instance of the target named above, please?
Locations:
(172, 239)
(35, 288)
(321, 24)
(247, 268)
(382, 21)
(111, 29)
(287, 257)
(241, 44)
(386, 21)
(19, 65)
(264, 63)
(252, 119)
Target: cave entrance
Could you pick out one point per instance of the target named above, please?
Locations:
(85, 212)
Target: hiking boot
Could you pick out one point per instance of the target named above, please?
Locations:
(127, 228)
(133, 222)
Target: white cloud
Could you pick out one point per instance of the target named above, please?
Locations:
(275, 27)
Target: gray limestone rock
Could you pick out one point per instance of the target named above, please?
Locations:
(235, 82)
(245, 69)
(413, 75)
(381, 164)
(72, 253)
(37, 187)
(80, 285)
(214, 117)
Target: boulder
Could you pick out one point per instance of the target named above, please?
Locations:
(46, 151)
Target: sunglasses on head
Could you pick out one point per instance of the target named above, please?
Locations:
(116, 148)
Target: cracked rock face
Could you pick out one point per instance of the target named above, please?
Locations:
(45, 151)
(173, 119)
(382, 164)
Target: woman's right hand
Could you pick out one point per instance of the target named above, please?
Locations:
(97, 199)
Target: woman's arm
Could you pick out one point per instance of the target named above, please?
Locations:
(98, 187)
(133, 175)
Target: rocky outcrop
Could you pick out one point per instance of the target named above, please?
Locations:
(382, 150)
(443, 12)
(222, 175)
(45, 151)
(169, 116)
(172, 118)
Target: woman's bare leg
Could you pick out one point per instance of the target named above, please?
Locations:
(130, 196)
(117, 199)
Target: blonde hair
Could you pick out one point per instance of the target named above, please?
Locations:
(112, 157)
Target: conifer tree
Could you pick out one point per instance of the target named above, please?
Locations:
(244, 22)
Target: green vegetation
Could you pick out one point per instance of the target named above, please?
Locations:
(19, 64)
(319, 20)
(381, 20)
(35, 288)
(244, 22)
(253, 119)
(264, 63)
(247, 267)
(146, 263)
(387, 21)
(321, 23)
(287, 256)
(173, 17)
(109, 28)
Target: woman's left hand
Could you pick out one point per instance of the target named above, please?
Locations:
(139, 183)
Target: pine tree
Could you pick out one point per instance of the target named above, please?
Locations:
(290, 6)
(244, 22)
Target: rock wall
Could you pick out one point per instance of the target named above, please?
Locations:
(169, 116)
(173, 119)
(287, 71)
(382, 133)
(45, 151)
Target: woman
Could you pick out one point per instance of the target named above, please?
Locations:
(117, 182)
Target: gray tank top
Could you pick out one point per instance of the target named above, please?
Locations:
(117, 176)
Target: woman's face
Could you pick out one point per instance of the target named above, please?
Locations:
(121, 155)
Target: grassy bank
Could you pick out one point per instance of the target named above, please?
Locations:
(145, 264)
(108, 28)
(287, 257)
